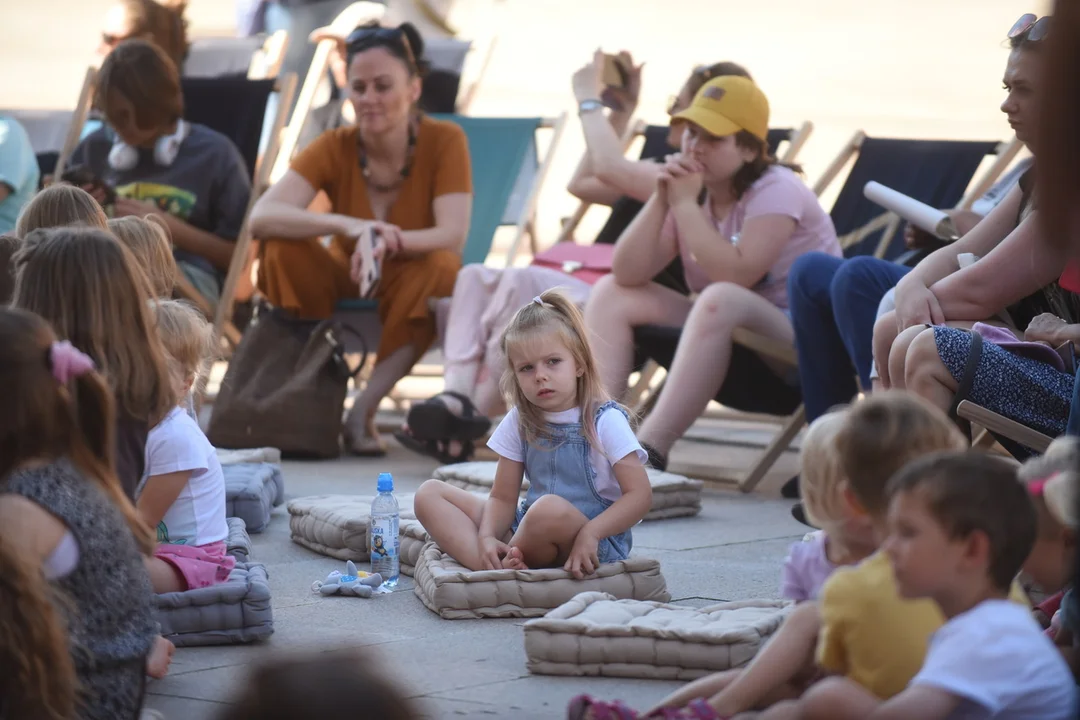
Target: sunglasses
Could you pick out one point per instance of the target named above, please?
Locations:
(365, 38)
(1036, 28)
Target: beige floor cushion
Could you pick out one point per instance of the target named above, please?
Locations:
(250, 455)
(596, 634)
(673, 495)
(337, 525)
(454, 593)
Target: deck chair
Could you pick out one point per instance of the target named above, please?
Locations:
(236, 107)
(508, 174)
(258, 57)
(934, 172)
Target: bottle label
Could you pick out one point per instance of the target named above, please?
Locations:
(384, 545)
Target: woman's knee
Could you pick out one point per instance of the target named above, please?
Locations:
(922, 359)
(898, 351)
(811, 275)
(854, 277)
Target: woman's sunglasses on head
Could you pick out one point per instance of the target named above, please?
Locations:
(1035, 27)
(365, 38)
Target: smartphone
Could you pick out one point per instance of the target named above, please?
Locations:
(369, 271)
(615, 76)
(81, 175)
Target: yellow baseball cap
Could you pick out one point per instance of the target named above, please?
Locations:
(728, 104)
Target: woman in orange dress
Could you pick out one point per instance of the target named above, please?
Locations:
(404, 176)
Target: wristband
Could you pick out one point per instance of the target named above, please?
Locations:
(589, 105)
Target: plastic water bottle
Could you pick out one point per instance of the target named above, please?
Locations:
(383, 531)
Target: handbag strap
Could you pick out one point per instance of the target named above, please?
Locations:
(967, 379)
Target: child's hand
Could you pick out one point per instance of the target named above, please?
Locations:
(493, 550)
(583, 559)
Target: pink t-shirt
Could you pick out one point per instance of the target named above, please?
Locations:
(779, 191)
(806, 569)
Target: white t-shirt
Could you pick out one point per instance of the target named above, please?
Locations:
(197, 517)
(616, 439)
(998, 660)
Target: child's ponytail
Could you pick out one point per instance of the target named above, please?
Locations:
(38, 676)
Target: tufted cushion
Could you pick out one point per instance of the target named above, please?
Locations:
(235, 611)
(251, 492)
(249, 455)
(453, 592)
(238, 543)
(673, 495)
(337, 525)
(595, 634)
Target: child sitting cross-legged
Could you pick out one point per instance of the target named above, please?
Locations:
(960, 527)
(846, 454)
(587, 481)
(1053, 481)
(183, 493)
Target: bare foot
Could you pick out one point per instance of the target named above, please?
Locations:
(514, 560)
(160, 657)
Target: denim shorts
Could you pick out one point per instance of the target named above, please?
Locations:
(608, 550)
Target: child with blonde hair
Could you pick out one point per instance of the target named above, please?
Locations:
(587, 480)
(149, 241)
(183, 491)
(60, 205)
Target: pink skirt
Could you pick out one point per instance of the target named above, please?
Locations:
(200, 566)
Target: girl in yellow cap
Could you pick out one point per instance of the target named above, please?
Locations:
(738, 220)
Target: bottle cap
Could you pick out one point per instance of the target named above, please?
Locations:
(386, 482)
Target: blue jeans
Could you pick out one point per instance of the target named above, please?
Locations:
(833, 305)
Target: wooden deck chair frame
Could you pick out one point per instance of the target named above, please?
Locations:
(1001, 425)
(267, 61)
(286, 88)
(526, 221)
(355, 14)
(1006, 152)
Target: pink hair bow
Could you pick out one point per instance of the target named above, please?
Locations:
(66, 361)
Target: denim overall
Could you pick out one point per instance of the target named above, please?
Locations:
(559, 465)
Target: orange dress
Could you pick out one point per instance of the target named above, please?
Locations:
(307, 278)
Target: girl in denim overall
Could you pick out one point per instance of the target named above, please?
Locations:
(587, 481)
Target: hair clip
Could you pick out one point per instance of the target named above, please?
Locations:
(67, 362)
(1038, 487)
(538, 301)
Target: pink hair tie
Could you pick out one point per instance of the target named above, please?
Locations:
(67, 362)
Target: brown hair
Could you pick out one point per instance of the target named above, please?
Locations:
(86, 284)
(556, 312)
(141, 73)
(150, 243)
(705, 73)
(752, 171)
(60, 205)
(822, 472)
(186, 336)
(973, 491)
(163, 23)
(325, 685)
(39, 678)
(43, 419)
(9, 244)
(885, 432)
(1058, 169)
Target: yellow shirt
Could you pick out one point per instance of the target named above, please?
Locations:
(872, 635)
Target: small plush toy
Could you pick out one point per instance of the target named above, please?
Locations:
(353, 583)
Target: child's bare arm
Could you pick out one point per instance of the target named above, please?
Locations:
(501, 505)
(627, 511)
(158, 495)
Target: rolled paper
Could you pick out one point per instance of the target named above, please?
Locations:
(919, 214)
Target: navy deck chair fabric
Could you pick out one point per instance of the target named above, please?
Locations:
(234, 106)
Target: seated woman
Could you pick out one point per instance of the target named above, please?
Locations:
(485, 298)
(190, 176)
(736, 248)
(398, 173)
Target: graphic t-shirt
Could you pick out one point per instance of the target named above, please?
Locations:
(207, 185)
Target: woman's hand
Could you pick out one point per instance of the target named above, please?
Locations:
(916, 305)
(1047, 328)
(683, 177)
(587, 81)
(583, 558)
(492, 551)
(356, 262)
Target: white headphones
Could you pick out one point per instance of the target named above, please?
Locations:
(124, 157)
